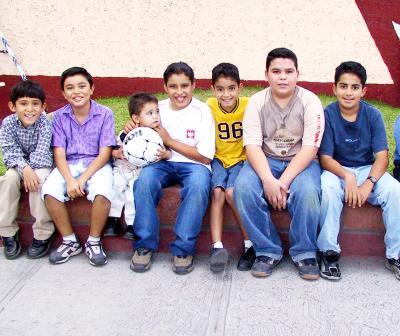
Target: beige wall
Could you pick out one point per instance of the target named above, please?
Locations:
(139, 38)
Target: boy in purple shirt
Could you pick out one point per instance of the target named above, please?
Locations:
(83, 133)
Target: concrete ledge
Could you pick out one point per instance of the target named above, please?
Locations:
(362, 229)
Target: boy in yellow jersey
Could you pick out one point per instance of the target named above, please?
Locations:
(228, 110)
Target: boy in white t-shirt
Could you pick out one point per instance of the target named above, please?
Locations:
(188, 130)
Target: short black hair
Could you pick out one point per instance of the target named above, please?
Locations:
(76, 71)
(177, 69)
(225, 70)
(353, 68)
(280, 53)
(138, 100)
(29, 89)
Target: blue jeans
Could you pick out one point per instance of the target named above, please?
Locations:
(386, 194)
(224, 177)
(195, 180)
(303, 205)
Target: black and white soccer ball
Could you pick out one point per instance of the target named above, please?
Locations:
(141, 145)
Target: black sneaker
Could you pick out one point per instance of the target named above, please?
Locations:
(113, 227)
(218, 259)
(39, 248)
(263, 266)
(247, 259)
(329, 266)
(308, 268)
(129, 233)
(394, 265)
(12, 247)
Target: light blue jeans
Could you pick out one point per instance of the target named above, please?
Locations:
(195, 180)
(386, 194)
(303, 205)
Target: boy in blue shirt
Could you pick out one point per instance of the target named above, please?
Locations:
(354, 156)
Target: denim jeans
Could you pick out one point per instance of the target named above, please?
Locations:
(195, 180)
(386, 194)
(303, 205)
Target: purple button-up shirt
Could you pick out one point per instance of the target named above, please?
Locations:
(82, 142)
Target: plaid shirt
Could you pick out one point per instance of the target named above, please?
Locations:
(26, 146)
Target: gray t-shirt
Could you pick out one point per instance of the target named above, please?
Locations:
(282, 132)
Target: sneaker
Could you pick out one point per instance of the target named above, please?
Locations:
(141, 260)
(129, 233)
(263, 266)
(218, 259)
(394, 265)
(329, 266)
(66, 250)
(94, 250)
(12, 247)
(308, 268)
(39, 248)
(247, 259)
(183, 264)
(113, 227)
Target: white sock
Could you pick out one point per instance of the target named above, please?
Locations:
(247, 244)
(71, 237)
(218, 244)
(93, 239)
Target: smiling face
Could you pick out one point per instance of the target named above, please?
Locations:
(349, 91)
(180, 91)
(282, 76)
(27, 109)
(77, 91)
(149, 116)
(226, 90)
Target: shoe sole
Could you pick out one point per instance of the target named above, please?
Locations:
(309, 276)
(244, 268)
(41, 255)
(129, 238)
(78, 251)
(112, 234)
(183, 271)
(260, 274)
(98, 265)
(327, 277)
(14, 256)
(390, 268)
(140, 269)
(218, 261)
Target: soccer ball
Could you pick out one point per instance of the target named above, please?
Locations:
(141, 145)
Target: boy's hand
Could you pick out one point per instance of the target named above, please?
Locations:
(163, 154)
(74, 189)
(276, 193)
(129, 126)
(350, 190)
(162, 132)
(363, 192)
(31, 180)
(118, 154)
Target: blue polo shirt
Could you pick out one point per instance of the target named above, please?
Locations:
(353, 144)
(396, 134)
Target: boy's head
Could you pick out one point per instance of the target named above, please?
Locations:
(281, 72)
(179, 84)
(349, 87)
(27, 101)
(226, 85)
(77, 86)
(143, 109)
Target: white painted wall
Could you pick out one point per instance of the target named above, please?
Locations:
(122, 38)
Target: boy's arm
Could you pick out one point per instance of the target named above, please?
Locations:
(274, 190)
(13, 156)
(377, 170)
(350, 187)
(190, 152)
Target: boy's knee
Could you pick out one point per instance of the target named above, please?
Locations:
(218, 194)
(229, 196)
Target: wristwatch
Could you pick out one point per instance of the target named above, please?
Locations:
(373, 179)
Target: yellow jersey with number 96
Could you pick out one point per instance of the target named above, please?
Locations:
(229, 131)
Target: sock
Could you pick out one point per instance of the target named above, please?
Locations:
(71, 237)
(93, 239)
(247, 244)
(218, 244)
